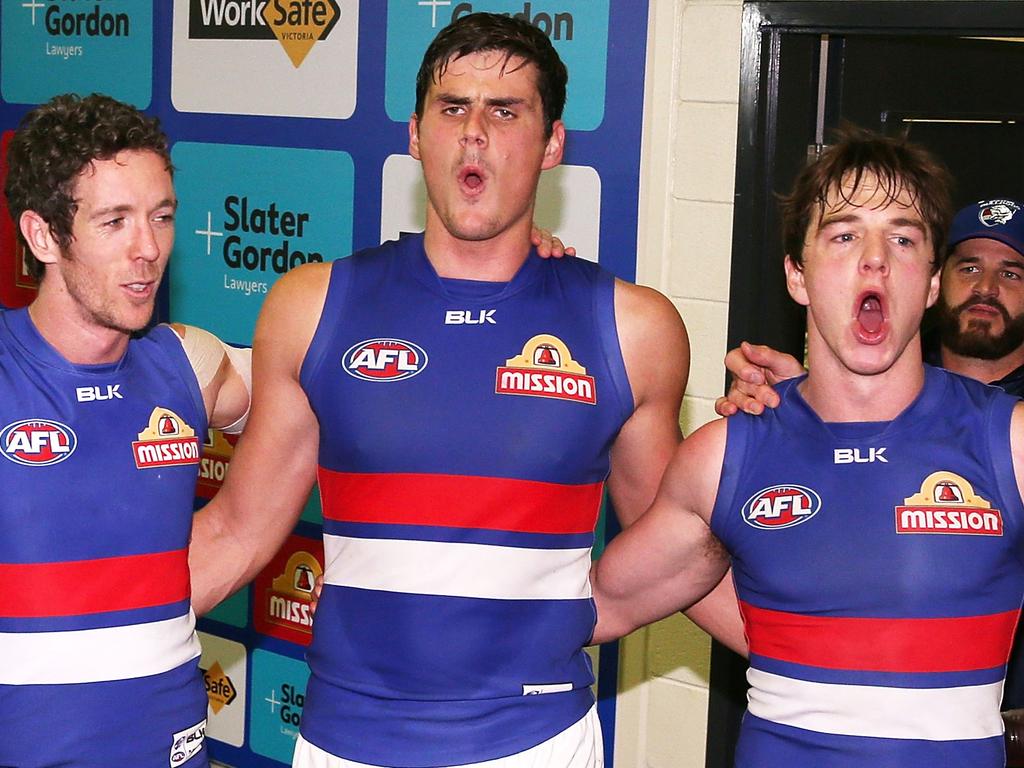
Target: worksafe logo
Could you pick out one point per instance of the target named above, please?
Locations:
(248, 215)
(948, 504)
(299, 57)
(577, 28)
(546, 369)
(58, 46)
(167, 441)
(296, 24)
(220, 690)
(223, 664)
(278, 699)
(284, 591)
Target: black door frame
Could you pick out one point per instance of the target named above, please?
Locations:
(764, 22)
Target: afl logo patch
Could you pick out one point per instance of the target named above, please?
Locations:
(37, 442)
(781, 506)
(384, 360)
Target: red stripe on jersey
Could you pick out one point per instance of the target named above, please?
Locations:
(457, 501)
(881, 645)
(39, 590)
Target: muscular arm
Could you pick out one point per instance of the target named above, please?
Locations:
(718, 614)
(656, 352)
(274, 464)
(668, 558)
(657, 355)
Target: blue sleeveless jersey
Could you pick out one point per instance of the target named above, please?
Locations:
(465, 429)
(98, 656)
(879, 572)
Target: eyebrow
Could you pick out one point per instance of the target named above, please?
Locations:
(98, 214)
(850, 218)
(507, 101)
(969, 259)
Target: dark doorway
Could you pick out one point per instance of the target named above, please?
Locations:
(947, 72)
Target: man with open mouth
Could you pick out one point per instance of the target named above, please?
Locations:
(462, 404)
(874, 517)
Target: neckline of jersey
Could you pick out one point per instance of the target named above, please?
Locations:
(460, 289)
(32, 343)
(853, 431)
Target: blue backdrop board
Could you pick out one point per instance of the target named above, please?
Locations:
(289, 130)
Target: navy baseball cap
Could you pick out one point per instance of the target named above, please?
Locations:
(1000, 219)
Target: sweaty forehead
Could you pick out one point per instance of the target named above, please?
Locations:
(495, 63)
(871, 192)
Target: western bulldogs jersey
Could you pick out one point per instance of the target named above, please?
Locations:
(98, 656)
(464, 437)
(879, 572)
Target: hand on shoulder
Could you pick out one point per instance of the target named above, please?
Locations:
(755, 370)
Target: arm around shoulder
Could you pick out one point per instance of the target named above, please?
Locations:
(274, 465)
(668, 559)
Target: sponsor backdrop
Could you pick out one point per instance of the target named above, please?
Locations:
(288, 119)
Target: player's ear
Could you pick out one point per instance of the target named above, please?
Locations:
(934, 287)
(414, 136)
(555, 146)
(795, 282)
(36, 231)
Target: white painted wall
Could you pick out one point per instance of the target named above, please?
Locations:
(685, 237)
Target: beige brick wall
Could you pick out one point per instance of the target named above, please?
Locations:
(687, 184)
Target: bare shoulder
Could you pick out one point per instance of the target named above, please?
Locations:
(1018, 416)
(1017, 429)
(1017, 445)
(299, 295)
(652, 337)
(291, 312)
(694, 472)
(640, 304)
(305, 283)
(708, 440)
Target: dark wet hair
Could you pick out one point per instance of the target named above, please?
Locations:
(517, 38)
(898, 166)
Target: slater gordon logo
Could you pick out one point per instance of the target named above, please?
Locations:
(71, 18)
(296, 24)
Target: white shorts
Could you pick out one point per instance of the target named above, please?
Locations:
(578, 746)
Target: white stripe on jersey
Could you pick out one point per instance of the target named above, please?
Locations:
(457, 570)
(578, 746)
(96, 655)
(934, 714)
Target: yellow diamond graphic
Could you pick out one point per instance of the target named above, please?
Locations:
(297, 25)
(219, 688)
